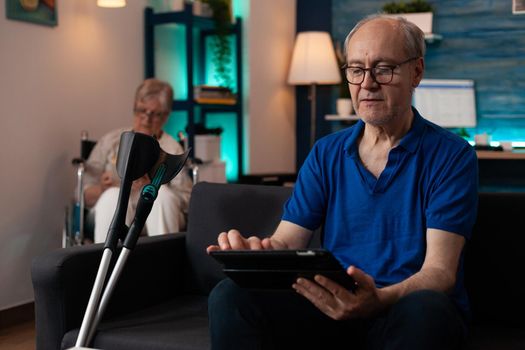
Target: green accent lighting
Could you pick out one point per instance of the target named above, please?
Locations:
(229, 141)
(170, 57)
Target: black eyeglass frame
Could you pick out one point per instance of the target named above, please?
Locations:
(373, 74)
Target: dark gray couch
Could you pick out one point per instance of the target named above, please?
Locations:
(160, 301)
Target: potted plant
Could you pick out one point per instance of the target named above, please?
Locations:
(419, 12)
(222, 53)
(344, 106)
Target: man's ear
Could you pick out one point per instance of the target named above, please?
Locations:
(418, 72)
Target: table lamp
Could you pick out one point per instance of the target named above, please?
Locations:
(313, 63)
(111, 3)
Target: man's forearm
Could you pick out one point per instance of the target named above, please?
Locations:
(438, 271)
(428, 278)
(291, 236)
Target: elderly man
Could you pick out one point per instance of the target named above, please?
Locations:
(152, 106)
(397, 196)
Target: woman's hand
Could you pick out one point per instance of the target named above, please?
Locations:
(106, 180)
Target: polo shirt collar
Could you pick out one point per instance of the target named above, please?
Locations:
(410, 141)
(351, 143)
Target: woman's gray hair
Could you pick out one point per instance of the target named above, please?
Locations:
(414, 37)
(155, 88)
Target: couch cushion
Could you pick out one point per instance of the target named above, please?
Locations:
(181, 324)
(253, 210)
(494, 263)
(496, 338)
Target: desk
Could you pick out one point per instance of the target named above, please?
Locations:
(501, 170)
(275, 179)
(501, 155)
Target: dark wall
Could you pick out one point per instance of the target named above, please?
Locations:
(312, 15)
(483, 41)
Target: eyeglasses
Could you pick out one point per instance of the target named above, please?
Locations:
(152, 114)
(382, 74)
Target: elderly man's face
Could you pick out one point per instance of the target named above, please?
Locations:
(149, 116)
(380, 42)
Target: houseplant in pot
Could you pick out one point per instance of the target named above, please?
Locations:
(222, 52)
(419, 12)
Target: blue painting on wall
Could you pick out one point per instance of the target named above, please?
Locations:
(481, 40)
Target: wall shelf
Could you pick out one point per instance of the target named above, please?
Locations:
(431, 38)
(337, 117)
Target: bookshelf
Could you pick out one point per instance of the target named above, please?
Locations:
(197, 30)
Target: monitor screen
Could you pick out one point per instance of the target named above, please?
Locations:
(449, 103)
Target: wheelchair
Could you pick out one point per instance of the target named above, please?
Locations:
(79, 225)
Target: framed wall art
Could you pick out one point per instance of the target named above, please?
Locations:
(518, 7)
(34, 11)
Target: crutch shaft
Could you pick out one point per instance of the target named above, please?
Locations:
(94, 298)
(108, 291)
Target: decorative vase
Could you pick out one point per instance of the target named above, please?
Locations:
(202, 9)
(175, 5)
(344, 107)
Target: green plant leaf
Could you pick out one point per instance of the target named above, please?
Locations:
(222, 55)
(413, 6)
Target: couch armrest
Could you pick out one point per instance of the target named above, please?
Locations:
(63, 279)
(494, 261)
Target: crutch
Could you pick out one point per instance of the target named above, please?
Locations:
(138, 154)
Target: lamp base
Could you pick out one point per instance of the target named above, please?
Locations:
(313, 116)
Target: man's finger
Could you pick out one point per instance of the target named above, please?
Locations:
(336, 289)
(223, 241)
(212, 248)
(316, 294)
(360, 277)
(267, 243)
(236, 240)
(254, 243)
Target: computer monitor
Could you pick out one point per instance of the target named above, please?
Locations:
(449, 103)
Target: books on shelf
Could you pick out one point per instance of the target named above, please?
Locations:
(217, 101)
(214, 95)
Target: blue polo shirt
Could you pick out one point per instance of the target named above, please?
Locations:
(379, 225)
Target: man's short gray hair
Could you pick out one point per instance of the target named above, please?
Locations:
(414, 37)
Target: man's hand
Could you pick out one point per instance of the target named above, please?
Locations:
(234, 240)
(339, 303)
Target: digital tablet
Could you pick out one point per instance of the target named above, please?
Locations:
(279, 269)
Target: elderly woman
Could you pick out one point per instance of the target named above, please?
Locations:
(151, 110)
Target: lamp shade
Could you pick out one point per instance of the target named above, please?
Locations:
(313, 60)
(111, 3)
